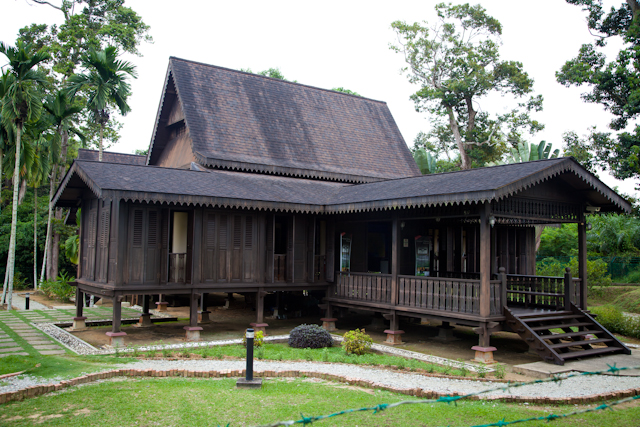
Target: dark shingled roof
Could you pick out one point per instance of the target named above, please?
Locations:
(248, 190)
(110, 157)
(249, 122)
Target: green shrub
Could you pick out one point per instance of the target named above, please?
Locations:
(258, 339)
(629, 302)
(309, 336)
(597, 271)
(356, 342)
(59, 289)
(615, 321)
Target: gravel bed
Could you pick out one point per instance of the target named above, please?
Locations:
(571, 387)
(68, 340)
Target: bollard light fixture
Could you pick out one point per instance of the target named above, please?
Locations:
(249, 381)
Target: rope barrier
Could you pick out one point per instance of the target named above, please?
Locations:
(613, 369)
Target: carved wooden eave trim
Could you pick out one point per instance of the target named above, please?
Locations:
(159, 112)
(75, 169)
(569, 164)
(282, 170)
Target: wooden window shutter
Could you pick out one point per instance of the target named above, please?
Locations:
(237, 231)
(152, 235)
(92, 228)
(104, 228)
(222, 232)
(137, 227)
(211, 231)
(248, 233)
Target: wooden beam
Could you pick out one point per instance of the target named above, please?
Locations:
(485, 261)
(582, 263)
(395, 259)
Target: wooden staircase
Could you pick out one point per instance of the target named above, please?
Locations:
(581, 335)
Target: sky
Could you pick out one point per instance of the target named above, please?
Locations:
(340, 44)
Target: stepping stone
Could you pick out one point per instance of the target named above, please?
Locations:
(46, 347)
(7, 343)
(30, 335)
(47, 352)
(10, 349)
(36, 342)
(21, 353)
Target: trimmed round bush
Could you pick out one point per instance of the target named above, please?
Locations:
(309, 336)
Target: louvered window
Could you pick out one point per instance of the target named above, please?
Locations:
(222, 232)
(92, 228)
(211, 230)
(137, 227)
(152, 236)
(104, 228)
(248, 234)
(237, 232)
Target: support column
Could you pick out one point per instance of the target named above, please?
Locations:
(329, 322)
(79, 323)
(116, 336)
(394, 334)
(161, 305)
(484, 351)
(192, 332)
(582, 264)
(145, 317)
(203, 315)
(395, 249)
(259, 324)
(445, 332)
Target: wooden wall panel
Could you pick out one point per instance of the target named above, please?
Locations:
(270, 247)
(222, 252)
(300, 249)
(332, 239)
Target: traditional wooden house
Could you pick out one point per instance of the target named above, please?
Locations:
(256, 185)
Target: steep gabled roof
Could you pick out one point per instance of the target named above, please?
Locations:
(249, 190)
(110, 157)
(247, 122)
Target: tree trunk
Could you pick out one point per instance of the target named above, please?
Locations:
(54, 255)
(47, 249)
(453, 123)
(35, 238)
(14, 220)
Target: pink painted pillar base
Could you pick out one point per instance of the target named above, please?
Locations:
(329, 323)
(79, 324)
(260, 327)
(144, 321)
(394, 337)
(116, 339)
(192, 333)
(162, 306)
(484, 354)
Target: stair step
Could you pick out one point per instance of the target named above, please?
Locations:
(574, 343)
(552, 318)
(543, 314)
(560, 326)
(591, 352)
(568, 334)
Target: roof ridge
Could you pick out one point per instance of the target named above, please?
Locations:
(277, 80)
(112, 152)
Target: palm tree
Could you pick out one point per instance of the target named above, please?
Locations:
(106, 83)
(61, 113)
(21, 103)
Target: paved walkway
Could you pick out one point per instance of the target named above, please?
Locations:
(19, 337)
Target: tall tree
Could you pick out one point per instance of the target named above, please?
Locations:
(456, 62)
(613, 84)
(21, 103)
(61, 113)
(106, 84)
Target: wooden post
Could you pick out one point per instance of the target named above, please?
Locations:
(260, 306)
(395, 249)
(117, 313)
(485, 261)
(145, 304)
(79, 301)
(568, 289)
(582, 264)
(503, 288)
(193, 310)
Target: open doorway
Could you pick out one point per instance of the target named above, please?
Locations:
(180, 247)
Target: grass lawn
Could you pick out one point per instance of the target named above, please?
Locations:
(625, 298)
(57, 366)
(179, 401)
(284, 352)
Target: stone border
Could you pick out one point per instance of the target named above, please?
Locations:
(39, 390)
